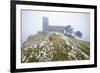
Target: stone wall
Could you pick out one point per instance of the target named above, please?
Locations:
(48, 28)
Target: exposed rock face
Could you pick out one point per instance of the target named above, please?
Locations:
(54, 46)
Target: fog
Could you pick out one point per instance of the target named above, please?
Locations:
(31, 22)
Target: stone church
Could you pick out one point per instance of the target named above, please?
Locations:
(49, 28)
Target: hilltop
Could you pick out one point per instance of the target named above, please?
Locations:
(54, 46)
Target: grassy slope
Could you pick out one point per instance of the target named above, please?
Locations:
(58, 53)
(85, 46)
(37, 37)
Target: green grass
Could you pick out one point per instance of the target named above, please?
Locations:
(60, 48)
(57, 40)
(84, 46)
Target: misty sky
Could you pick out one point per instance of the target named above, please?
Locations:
(32, 22)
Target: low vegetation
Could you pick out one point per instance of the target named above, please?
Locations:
(54, 46)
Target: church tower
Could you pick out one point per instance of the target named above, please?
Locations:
(45, 24)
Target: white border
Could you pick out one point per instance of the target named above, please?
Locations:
(20, 65)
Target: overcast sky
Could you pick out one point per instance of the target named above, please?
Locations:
(32, 22)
